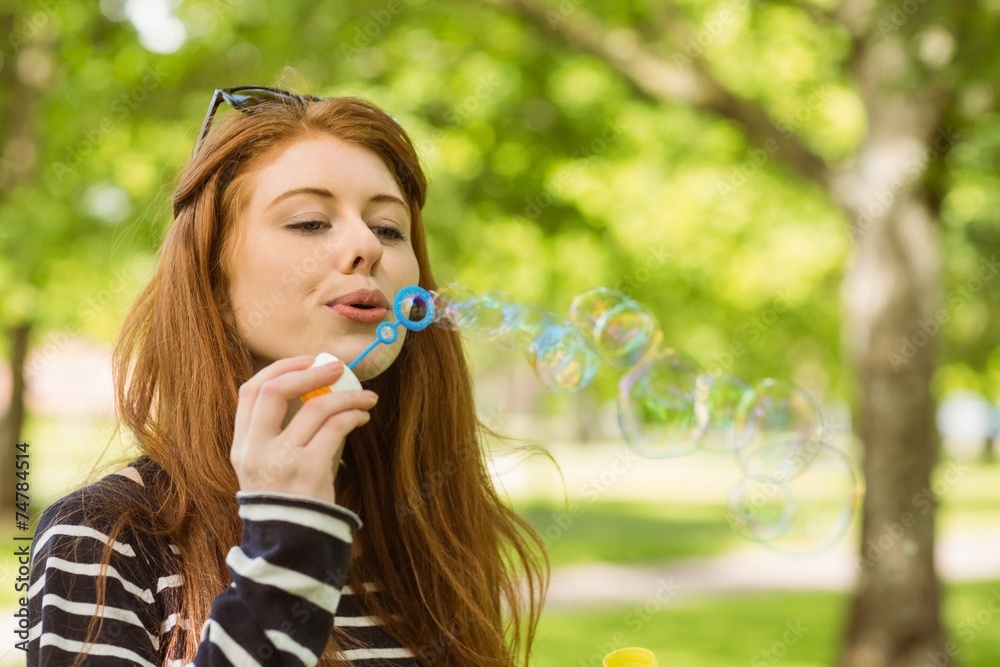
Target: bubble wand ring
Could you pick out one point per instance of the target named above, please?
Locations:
(387, 332)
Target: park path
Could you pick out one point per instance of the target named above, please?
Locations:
(962, 556)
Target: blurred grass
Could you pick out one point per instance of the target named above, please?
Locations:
(712, 632)
(727, 630)
(624, 525)
(628, 532)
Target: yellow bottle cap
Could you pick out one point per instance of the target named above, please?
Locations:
(630, 657)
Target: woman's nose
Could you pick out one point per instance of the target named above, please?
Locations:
(362, 250)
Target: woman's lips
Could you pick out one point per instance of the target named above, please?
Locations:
(372, 315)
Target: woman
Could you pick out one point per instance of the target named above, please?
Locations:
(360, 527)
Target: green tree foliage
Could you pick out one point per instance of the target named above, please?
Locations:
(542, 161)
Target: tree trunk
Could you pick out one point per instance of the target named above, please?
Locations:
(586, 409)
(13, 420)
(892, 294)
(989, 453)
(18, 143)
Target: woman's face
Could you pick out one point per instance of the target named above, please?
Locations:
(325, 219)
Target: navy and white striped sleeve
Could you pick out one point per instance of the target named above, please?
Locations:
(62, 592)
(288, 575)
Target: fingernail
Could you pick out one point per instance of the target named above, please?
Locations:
(332, 365)
(371, 394)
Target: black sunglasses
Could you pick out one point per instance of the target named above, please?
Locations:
(247, 97)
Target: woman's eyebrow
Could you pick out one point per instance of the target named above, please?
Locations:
(319, 192)
(384, 198)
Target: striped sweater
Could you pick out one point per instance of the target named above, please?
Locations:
(289, 587)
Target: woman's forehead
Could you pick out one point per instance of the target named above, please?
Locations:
(320, 161)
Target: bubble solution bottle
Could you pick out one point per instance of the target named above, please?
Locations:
(630, 657)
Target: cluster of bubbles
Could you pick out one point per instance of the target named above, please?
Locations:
(797, 494)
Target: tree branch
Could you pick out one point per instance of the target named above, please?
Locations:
(659, 80)
(857, 17)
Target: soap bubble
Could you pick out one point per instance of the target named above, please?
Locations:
(589, 306)
(625, 334)
(562, 359)
(449, 304)
(619, 327)
(798, 494)
(656, 405)
(523, 323)
(783, 429)
(803, 515)
(460, 308)
(718, 400)
(760, 511)
(483, 316)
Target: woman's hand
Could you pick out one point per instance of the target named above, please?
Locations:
(302, 458)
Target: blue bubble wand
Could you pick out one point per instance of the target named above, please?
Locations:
(387, 332)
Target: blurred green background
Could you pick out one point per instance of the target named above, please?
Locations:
(665, 149)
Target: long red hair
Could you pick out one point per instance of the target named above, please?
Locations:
(463, 577)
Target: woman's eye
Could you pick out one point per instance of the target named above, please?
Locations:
(308, 225)
(389, 233)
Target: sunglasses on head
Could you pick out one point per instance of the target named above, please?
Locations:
(245, 98)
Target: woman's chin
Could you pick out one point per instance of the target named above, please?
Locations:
(368, 369)
(377, 362)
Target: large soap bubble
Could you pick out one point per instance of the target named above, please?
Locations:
(562, 359)
(804, 514)
(451, 303)
(760, 511)
(523, 324)
(717, 405)
(618, 326)
(656, 405)
(480, 316)
(781, 427)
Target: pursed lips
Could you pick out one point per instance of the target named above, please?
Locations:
(364, 306)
